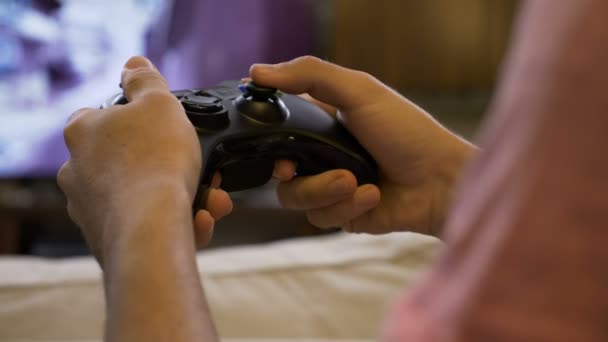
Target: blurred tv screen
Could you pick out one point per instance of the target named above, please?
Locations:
(55, 57)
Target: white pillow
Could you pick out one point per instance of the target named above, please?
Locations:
(333, 287)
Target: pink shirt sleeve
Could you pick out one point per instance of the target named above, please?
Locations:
(526, 256)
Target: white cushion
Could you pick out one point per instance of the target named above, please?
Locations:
(333, 287)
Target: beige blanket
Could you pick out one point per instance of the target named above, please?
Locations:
(337, 287)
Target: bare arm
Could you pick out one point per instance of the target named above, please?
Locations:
(153, 290)
(130, 183)
(526, 256)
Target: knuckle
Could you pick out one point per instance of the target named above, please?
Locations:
(160, 100)
(75, 126)
(71, 132)
(79, 113)
(296, 194)
(363, 76)
(71, 211)
(308, 61)
(62, 177)
(305, 195)
(138, 76)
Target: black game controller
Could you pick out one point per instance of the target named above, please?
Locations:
(243, 129)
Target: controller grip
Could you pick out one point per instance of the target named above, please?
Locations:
(249, 162)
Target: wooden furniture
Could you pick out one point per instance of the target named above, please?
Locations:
(430, 45)
(39, 205)
(9, 235)
(28, 202)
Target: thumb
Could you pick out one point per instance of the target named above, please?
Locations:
(140, 77)
(327, 82)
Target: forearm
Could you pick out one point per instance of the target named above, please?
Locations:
(153, 291)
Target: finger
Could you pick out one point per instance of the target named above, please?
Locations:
(284, 170)
(218, 203)
(331, 110)
(203, 228)
(216, 180)
(326, 82)
(65, 178)
(140, 77)
(317, 191)
(365, 198)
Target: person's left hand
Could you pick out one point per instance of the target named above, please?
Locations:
(123, 156)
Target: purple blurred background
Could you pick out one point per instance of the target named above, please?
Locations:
(58, 56)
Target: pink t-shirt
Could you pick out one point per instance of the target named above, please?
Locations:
(526, 256)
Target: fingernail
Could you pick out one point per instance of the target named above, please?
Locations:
(276, 175)
(138, 62)
(340, 186)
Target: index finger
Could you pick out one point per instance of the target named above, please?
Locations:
(324, 81)
(140, 77)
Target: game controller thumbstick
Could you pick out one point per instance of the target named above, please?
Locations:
(261, 104)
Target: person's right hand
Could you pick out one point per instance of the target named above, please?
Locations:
(419, 160)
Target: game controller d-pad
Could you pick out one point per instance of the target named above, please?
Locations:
(205, 110)
(244, 129)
